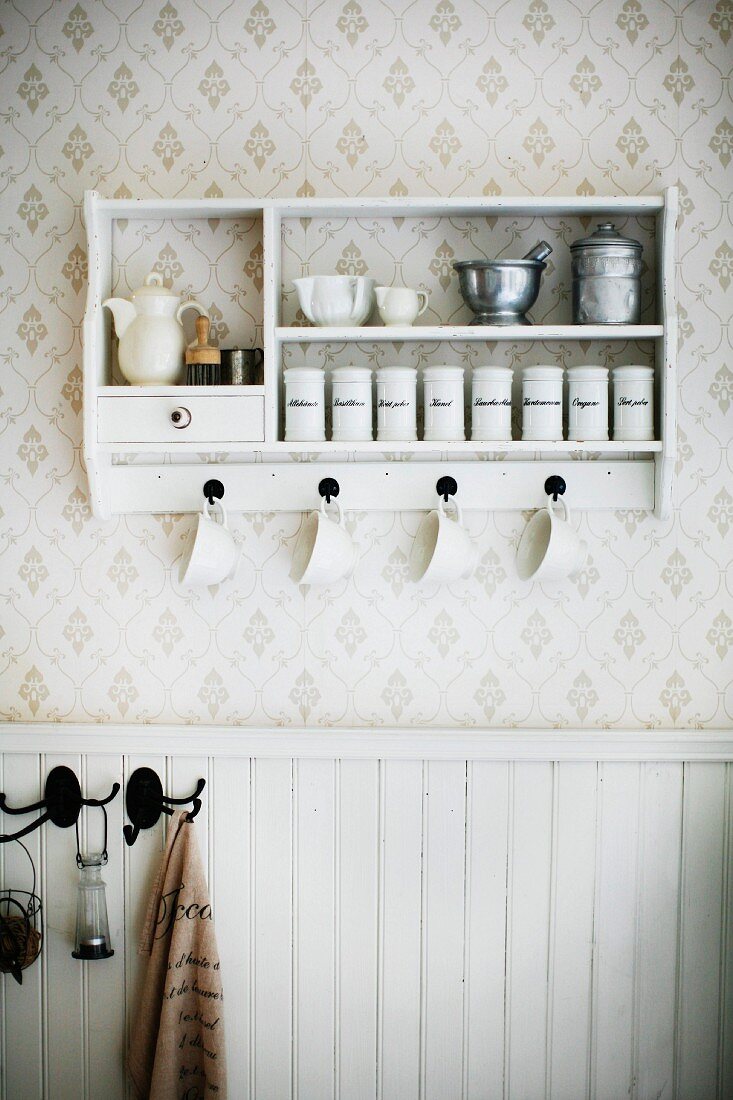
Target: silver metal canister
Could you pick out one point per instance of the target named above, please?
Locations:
(606, 278)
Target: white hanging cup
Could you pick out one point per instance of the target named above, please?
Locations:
(443, 551)
(211, 555)
(550, 549)
(324, 551)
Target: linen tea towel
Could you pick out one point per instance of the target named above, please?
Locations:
(177, 1041)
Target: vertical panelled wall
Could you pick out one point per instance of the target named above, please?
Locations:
(406, 929)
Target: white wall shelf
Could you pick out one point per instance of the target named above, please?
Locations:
(136, 463)
(397, 333)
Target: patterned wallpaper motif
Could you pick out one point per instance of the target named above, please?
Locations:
(355, 97)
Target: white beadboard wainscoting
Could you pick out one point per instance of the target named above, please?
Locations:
(400, 914)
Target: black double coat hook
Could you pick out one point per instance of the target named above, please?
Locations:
(145, 802)
(62, 802)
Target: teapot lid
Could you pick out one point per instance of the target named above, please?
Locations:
(604, 236)
(153, 286)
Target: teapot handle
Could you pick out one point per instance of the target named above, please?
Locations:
(191, 304)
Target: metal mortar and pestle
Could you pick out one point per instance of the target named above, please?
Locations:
(500, 292)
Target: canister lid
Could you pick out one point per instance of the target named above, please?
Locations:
(442, 374)
(351, 374)
(633, 374)
(606, 236)
(303, 374)
(397, 374)
(542, 374)
(587, 374)
(492, 374)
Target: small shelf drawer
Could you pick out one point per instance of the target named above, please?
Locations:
(181, 419)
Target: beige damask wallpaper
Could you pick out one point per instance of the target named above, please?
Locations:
(350, 97)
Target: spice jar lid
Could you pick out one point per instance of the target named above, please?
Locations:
(633, 374)
(492, 374)
(397, 374)
(587, 374)
(351, 374)
(303, 374)
(542, 374)
(606, 236)
(442, 374)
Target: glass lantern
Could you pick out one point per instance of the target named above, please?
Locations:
(92, 925)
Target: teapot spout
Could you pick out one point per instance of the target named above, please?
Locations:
(124, 313)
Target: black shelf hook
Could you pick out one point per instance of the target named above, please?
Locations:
(555, 486)
(446, 486)
(213, 490)
(145, 802)
(328, 487)
(62, 802)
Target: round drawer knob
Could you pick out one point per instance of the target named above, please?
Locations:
(180, 417)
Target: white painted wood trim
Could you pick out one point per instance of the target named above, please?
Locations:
(383, 486)
(666, 352)
(380, 334)
(381, 207)
(387, 743)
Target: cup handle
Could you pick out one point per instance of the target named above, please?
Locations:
(337, 506)
(211, 510)
(565, 509)
(259, 357)
(458, 517)
(422, 294)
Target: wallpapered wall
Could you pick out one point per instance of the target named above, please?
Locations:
(442, 97)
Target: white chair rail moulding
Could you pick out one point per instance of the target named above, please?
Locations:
(245, 423)
(570, 745)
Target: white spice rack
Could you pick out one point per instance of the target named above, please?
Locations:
(136, 462)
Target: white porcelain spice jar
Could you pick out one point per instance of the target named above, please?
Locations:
(443, 403)
(305, 419)
(542, 403)
(587, 403)
(491, 403)
(351, 403)
(633, 403)
(396, 404)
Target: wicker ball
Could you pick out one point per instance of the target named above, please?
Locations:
(20, 943)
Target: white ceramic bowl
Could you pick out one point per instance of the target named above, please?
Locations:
(335, 300)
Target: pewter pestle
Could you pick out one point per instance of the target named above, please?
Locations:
(540, 252)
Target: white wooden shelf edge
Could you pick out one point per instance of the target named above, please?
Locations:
(381, 486)
(486, 333)
(329, 448)
(381, 207)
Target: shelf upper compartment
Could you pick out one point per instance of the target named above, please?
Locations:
(485, 333)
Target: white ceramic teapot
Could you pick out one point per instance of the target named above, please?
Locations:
(336, 299)
(152, 341)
